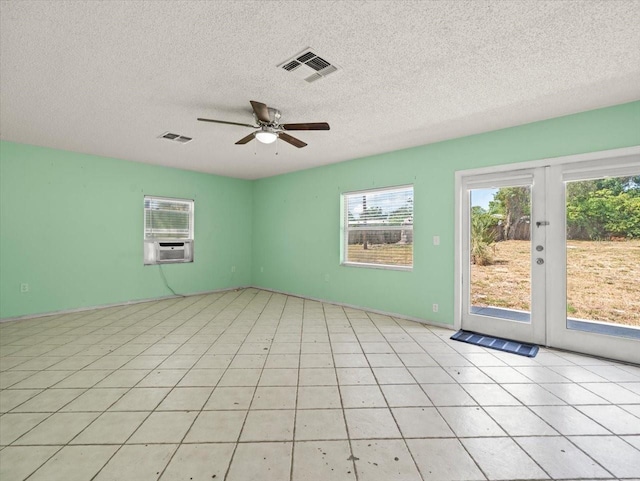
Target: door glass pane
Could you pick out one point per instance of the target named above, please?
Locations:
(603, 255)
(500, 253)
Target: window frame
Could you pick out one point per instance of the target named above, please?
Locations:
(344, 228)
(174, 199)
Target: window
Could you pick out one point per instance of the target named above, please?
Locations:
(168, 230)
(378, 227)
(167, 219)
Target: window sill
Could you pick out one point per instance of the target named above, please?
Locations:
(377, 266)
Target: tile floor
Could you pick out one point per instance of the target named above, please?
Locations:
(252, 385)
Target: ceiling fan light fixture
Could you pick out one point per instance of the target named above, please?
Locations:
(266, 137)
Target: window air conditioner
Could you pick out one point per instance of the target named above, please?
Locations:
(165, 252)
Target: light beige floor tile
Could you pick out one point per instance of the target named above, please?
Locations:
(268, 426)
(532, 395)
(216, 426)
(12, 426)
(273, 397)
(322, 461)
(214, 361)
(384, 360)
(321, 424)
(177, 361)
(162, 378)
(10, 378)
(140, 399)
(83, 379)
(355, 375)
(123, 378)
(371, 423)
(315, 397)
(144, 362)
(282, 361)
(383, 460)
(230, 398)
(111, 428)
(317, 377)
(421, 423)
(561, 459)
(110, 362)
(448, 395)
(185, 399)
(431, 375)
(613, 418)
(60, 428)
(502, 458)
(163, 427)
(263, 461)
(541, 374)
(42, 380)
(11, 398)
(350, 360)
(346, 347)
(633, 440)
(310, 347)
(393, 375)
(612, 453)
(16, 463)
(199, 462)
(248, 361)
(279, 377)
(468, 375)
(468, 421)
(74, 463)
(240, 377)
(520, 421)
(362, 397)
(95, 399)
(417, 360)
(140, 462)
(490, 395)
(434, 458)
(316, 361)
(505, 374)
(405, 395)
(568, 421)
(613, 393)
(573, 394)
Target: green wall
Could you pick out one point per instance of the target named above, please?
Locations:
(71, 227)
(296, 240)
(71, 224)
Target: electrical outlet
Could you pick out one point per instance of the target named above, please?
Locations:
(436, 240)
(435, 308)
(24, 287)
(233, 268)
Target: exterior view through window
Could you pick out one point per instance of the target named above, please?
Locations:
(168, 219)
(378, 227)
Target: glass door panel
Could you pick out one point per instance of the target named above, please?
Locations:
(603, 255)
(500, 252)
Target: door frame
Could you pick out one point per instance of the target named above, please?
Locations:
(555, 284)
(532, 331)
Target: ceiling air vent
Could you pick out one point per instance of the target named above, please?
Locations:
(308, 65)
(181, 139)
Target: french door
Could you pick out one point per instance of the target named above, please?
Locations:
(550, 254)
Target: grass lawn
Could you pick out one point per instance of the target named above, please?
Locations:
(394, 254)
(603, 280)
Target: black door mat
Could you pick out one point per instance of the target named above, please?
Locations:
(514, 347)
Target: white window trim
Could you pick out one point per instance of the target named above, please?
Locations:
(344, 230)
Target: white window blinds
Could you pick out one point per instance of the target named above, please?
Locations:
(166, 218)
(378, 227)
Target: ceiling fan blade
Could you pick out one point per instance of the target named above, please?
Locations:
(292, 140)
(307, 126)
(246, 139)
(261, 111)
(229, 123)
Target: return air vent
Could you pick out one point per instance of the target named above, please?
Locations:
(181, 139)
(309, 66)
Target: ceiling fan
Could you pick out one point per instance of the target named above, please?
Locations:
(270, 128)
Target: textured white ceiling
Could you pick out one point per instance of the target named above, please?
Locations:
(108, 77)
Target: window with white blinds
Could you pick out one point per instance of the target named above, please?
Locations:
(378, 227)
(166, 218)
